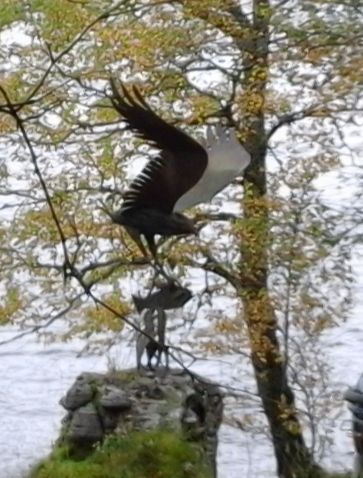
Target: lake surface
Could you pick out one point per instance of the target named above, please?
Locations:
(34, 377)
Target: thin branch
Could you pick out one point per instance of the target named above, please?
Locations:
(39, 327)
(212, 265)
(77, 39)
(290, 118)
(34, 159)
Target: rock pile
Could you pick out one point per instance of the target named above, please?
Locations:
(126, 401)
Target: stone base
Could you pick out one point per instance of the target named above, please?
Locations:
(133, 400)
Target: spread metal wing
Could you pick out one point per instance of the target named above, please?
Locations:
(179, 166)
(227, 159)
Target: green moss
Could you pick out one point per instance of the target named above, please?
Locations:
(124, 375)
(154, 454)
(10, 11)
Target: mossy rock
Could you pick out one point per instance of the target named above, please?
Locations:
(153, 454)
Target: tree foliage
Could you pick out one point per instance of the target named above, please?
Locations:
(285, 74)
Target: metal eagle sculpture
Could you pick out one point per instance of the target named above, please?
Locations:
(183, 174)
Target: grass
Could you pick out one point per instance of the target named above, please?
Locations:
(154, 454)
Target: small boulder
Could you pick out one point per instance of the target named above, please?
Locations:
(80, 393)
(85, 425)
(115, 399)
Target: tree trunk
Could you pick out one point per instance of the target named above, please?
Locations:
(251, 36)
(292, 455)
